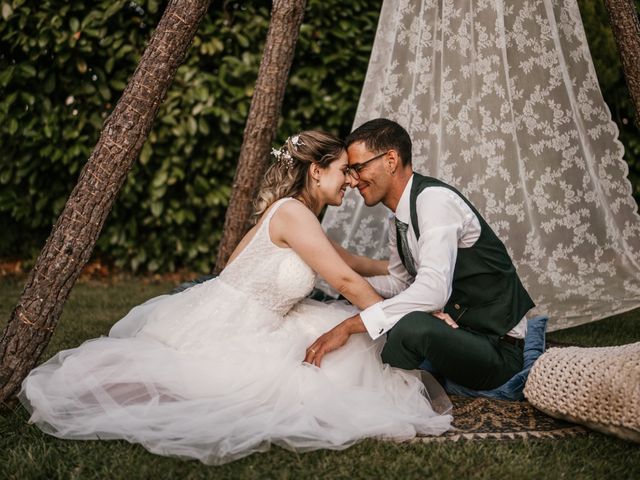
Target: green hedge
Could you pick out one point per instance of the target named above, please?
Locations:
(63, 65)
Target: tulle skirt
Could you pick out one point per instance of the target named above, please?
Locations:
(213, 375)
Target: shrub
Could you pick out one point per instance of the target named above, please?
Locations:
(63, 66)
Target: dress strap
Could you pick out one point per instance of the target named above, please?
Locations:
(272, 210)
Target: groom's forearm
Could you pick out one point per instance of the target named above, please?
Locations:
(369, 267)
(333, 339)
(354, 325)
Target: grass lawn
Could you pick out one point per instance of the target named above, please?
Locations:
(27, 453)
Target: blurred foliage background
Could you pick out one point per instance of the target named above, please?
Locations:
(63, 65)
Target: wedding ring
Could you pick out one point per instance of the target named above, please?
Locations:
(312, 350)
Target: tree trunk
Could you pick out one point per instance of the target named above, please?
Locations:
(262, 122)
(73, 237)
(623, 17)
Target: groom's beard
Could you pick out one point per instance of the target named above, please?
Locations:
(369, 197)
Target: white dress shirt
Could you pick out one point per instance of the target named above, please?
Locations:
(446, 223)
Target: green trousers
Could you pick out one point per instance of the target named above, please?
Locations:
(468, 358)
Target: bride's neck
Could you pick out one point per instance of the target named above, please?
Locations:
(311, 203)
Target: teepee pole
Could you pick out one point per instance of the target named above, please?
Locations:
(623, 17)
(74, 235)
(262, 122)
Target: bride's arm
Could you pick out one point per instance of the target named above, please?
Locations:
(365, 266)
(297, 227)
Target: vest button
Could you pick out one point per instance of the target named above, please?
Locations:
(456, 306)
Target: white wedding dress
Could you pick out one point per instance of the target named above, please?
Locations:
(215, 372)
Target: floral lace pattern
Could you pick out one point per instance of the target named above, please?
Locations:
(502, 101)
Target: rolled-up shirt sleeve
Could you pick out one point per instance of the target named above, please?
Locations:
(441, 219)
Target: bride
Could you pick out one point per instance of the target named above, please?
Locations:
(216, 373)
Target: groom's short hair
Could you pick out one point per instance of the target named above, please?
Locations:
(383, 134)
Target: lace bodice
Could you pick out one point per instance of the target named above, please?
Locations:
(273, 276)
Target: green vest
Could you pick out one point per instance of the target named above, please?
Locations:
(487, 296)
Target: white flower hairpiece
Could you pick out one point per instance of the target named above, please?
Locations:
(282, 154)
(295, 140)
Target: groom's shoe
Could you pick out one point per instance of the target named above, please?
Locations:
(435, 393)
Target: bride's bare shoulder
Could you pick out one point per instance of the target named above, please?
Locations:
(294, 211)
(292, 218)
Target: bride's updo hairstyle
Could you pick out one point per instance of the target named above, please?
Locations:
(289, 175)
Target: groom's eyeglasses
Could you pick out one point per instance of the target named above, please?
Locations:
(354, 170)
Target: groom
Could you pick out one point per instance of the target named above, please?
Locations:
(443, 256)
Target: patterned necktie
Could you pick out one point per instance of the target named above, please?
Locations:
(403, 247)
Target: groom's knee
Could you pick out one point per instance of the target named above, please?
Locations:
(409, 337)
(414, 325)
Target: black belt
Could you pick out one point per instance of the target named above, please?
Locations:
(518, 342)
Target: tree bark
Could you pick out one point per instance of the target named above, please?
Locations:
(73, 237)
(623, 17)
(262, 122)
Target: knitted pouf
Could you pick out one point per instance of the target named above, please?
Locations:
(596, 387)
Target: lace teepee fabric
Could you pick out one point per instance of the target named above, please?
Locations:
(502, 101)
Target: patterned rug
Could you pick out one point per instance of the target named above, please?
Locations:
(481, 418)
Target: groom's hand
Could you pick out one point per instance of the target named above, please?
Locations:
(333, 339)
(446, 318)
